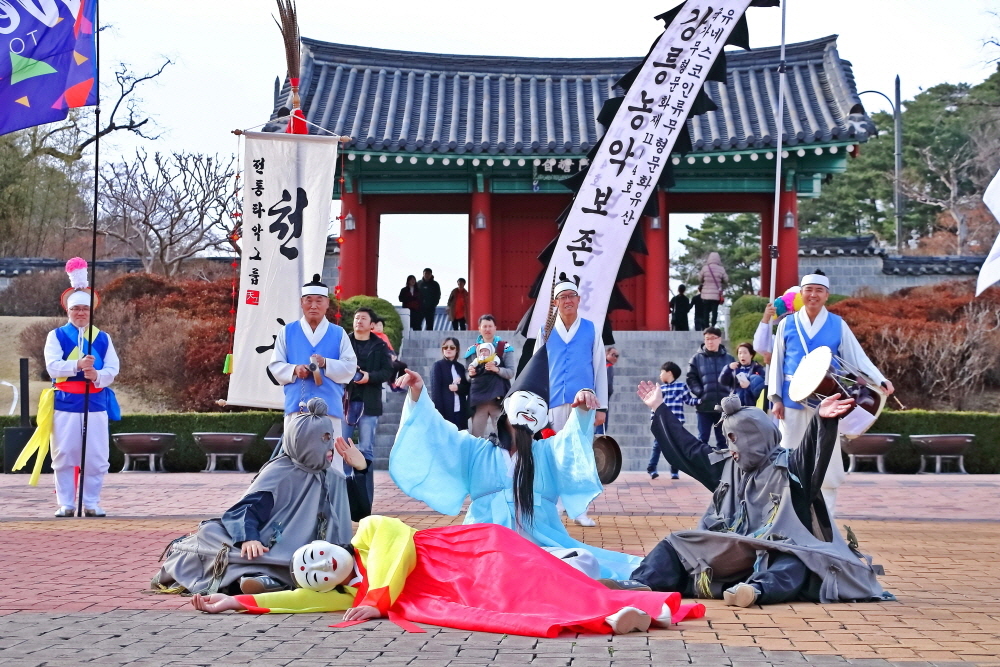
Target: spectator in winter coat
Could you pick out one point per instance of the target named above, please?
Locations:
(744, 377)
(409, 296)
(430, 297)
(449, 386)
(703, 381)
(374, 368)
(458, 307)
(713, 285)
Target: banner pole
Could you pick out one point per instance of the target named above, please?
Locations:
(779, 124)
(88, 332)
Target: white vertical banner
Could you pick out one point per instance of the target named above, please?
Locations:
(989, 272)
(288, 186)
(635, 149)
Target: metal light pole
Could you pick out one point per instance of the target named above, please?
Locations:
(897, 197)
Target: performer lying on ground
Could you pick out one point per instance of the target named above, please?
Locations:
(294, 499)
(480, 577)
(766, 537)
(514, 477)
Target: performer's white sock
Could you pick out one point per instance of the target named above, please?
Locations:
(628, 619)
(665, 619)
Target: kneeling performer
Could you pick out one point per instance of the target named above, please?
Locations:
(767, 536)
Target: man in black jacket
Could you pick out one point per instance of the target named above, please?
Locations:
(365, 391)
(430, 297)
(703, 382)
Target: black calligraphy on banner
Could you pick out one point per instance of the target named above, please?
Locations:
(292, 229)
(637, 144)
(261, 349)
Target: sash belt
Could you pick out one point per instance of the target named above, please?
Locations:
(77, 387)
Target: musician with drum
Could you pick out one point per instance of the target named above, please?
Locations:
(809, 329)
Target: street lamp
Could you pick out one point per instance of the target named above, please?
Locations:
(897, 199)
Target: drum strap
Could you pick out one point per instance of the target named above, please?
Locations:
(798, 330)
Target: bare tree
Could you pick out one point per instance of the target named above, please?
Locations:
(944, 362)
(950, 191)
(167, 209)
(66, 141)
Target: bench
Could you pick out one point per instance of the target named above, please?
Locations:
(224, 446)
(947, 447)
(148, 446)
(869, 446)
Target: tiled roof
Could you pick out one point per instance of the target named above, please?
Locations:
(919, 266)
(839, 245)
(391, 101)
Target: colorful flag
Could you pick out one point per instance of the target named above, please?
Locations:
(51, 64)
(989, 273)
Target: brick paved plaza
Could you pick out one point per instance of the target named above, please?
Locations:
(73, 591)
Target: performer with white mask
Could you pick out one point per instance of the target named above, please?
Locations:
(811, 327)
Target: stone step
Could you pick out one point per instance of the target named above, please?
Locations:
(643, 352)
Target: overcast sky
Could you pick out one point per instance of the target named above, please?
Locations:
(228, 52)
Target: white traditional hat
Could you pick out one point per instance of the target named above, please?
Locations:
(564, 286)
(815, 279)
(316, 287)
(79, 292)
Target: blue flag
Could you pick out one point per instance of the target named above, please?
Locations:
(50, 66)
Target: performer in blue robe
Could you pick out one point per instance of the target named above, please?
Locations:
(434, 462)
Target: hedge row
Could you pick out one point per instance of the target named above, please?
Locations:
(983, 456)
(185, 456)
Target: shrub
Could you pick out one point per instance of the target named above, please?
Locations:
(37, 294)
(741, 330)
(748, 303)
(934, 342)
(393, 323)
(31, 344)
(983, 456)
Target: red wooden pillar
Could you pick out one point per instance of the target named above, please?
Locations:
(788, 240)
(355, 246)
(481, 277)
(373, 229)
(658, 270)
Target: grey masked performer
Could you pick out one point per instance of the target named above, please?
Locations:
(766, 537)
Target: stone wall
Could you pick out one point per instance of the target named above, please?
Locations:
(850, 273)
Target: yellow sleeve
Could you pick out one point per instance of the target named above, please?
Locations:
(298, 601)
(386, 549)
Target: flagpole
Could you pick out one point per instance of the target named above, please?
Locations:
(88, 332)
(779, 123)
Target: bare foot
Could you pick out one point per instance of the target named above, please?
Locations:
(215, 603)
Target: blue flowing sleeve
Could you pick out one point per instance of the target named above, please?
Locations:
(431, 459)
(571, 456)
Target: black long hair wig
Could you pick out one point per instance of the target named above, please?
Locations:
(524, 471)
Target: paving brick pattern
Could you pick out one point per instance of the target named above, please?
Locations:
(74, 591)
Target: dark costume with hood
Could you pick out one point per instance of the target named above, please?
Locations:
(767, 524)
(296, 498)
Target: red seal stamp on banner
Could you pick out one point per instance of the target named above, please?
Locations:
(253, 297)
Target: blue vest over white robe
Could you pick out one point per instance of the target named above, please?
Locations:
(298, 350)
(828, 335)
(571, 365)
(70, 339)
(432, 461)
